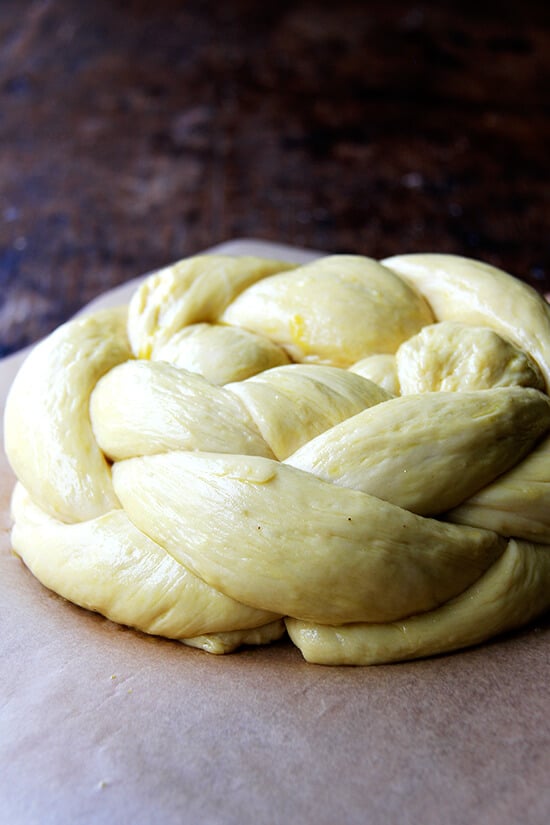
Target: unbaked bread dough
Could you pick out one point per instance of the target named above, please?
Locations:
(356, 452)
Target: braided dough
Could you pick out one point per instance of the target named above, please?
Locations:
(355, 452)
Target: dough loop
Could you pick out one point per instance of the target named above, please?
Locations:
(352, 451)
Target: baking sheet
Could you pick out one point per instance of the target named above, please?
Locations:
(104, 724)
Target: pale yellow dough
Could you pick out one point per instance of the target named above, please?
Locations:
(511, 593)
(109, 566)
(358, 451)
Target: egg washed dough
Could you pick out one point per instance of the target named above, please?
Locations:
(351, 451)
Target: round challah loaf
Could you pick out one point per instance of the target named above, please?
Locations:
(352, 451)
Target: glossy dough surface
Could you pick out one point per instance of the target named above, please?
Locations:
(352, 451)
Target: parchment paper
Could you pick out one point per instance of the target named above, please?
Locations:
(101, 724)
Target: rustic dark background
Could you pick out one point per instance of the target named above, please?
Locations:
(134, 133)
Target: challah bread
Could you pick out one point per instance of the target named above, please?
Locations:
(355, 451)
